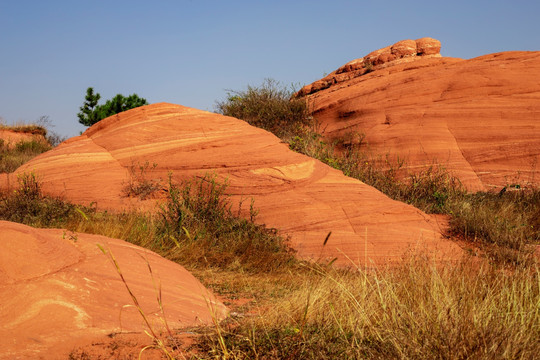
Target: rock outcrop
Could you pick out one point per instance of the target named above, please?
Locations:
(298, 195)
(58, 290)
(401, 52)
(478, 118)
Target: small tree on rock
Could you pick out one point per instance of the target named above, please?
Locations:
(90, 113)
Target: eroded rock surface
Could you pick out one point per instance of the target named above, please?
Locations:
(58, 290)
(298, 195)
(478, 118)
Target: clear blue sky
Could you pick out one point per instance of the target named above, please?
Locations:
(190, 52)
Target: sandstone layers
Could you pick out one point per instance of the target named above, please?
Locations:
(298, 195)
(479, 118)
(58, 290)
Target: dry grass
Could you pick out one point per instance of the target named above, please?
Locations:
(25, 128)
(417, 311)
(140, 184)
(507, 224)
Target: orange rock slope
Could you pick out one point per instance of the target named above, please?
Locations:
(59, 290)
(479, 118)
(294, 193)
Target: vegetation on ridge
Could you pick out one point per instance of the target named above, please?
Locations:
(39, 140)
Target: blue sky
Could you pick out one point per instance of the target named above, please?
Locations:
(190, 52)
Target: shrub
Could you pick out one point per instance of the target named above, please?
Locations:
(90, 113)
(27, 205)
(198, 223)
(268, 106)
(138, 184)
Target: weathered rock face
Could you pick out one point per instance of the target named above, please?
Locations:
(294, 193)
(58, 290)
(401, 52)
(478, 118)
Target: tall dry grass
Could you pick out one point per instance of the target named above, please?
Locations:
(417, 311)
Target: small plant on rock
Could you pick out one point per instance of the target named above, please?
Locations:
(139, 185)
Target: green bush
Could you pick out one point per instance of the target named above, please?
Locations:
(268, 106)
(27, 205)
(90, 113)
(199, 225)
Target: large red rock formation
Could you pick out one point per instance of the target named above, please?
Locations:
(298, 195)
(478, 118)
(59, 290)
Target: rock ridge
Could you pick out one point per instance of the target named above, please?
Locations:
(401, 52)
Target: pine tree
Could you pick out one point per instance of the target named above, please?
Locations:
(88, 115)
(91, 112)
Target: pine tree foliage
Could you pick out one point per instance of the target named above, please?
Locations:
(90, 113)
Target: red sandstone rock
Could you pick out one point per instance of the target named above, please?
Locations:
(58, 290)
(298, 195)
(428, 46)
(478, 118)
(404, 48)
(401, 52)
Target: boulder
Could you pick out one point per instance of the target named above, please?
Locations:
(404, 48)
(58, 290)
(428, 46)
